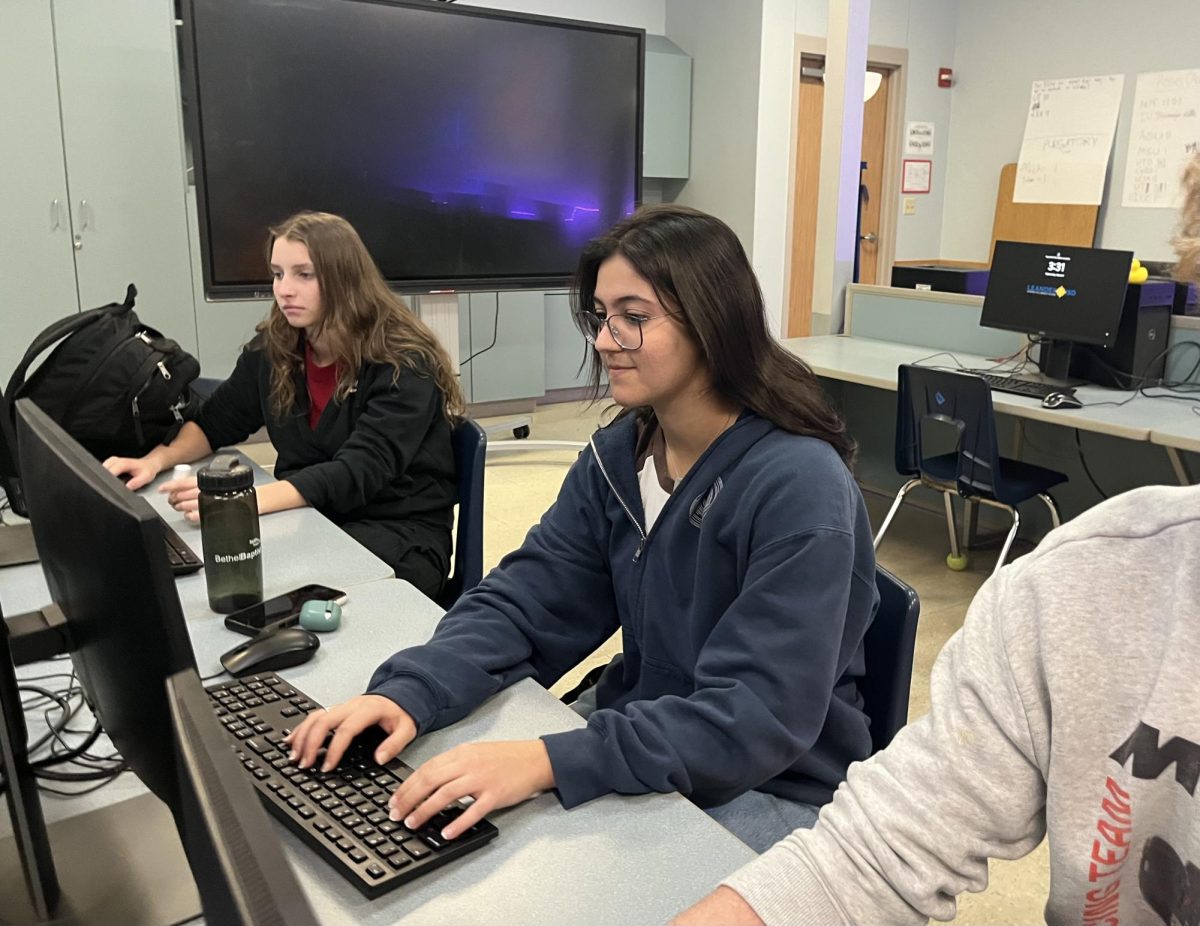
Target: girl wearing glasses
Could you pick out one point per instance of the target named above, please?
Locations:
(714, 523)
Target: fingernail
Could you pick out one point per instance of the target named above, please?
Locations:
(446, 833)
(292, 756)
(411, 822)
(380, 758)
(327, 767)
(394, 815)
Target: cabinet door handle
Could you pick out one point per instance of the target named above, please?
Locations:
(56, 215)
(86, 218)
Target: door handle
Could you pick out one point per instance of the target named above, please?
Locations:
(869, 237)
(56, 215)
(87, 218)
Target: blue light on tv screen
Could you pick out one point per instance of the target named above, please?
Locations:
(461, 147)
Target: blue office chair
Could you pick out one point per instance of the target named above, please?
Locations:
(946, 440)
(469, 442)
(888, 647)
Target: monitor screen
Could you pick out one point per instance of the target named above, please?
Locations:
(471, 149)
(1062, 293)
(103, 557)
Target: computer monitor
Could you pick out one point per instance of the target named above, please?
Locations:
(1063, 295)
(16, 540)
(243, 878)
(101, 554)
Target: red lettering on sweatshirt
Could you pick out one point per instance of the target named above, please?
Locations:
(1107, 857)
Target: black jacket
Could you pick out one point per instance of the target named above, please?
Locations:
(381, 458)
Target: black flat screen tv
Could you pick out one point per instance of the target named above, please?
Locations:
(472, 149)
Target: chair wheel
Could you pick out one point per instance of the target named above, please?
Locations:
(522, 432)
(957, 563)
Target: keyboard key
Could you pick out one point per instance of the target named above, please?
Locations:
(357, 855)
(415, 848)
(398, 861)
(374, 870)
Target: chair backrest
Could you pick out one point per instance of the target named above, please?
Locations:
(888, 647)
(930, 399)
(469, 442)
(10, 480)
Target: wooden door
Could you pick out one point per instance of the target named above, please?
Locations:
(804, 202)
(874, 142)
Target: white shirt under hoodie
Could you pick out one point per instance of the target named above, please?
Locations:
(1067, 706)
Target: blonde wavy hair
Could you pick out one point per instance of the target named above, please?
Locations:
(1187, 241)
(362, 318)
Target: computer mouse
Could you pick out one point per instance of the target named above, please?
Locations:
(277, 649)
(1061, 400)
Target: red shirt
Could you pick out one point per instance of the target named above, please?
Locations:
(322, 381)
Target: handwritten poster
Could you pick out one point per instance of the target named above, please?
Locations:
(1068, 137)
(918, 139)
(1164, 133)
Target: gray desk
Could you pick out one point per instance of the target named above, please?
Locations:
(299, 547)
(868, 362)
(624, 860)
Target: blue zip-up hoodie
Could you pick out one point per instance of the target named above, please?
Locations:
(742, 616)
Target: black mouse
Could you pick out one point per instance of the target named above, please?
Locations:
(1061, 400)
(278, 649)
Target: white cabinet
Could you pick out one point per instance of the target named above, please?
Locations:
(92, 186)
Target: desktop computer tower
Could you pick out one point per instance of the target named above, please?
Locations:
(1137, 355)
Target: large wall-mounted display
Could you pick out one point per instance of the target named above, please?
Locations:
(472, 149)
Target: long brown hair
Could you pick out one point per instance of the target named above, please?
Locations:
(1187, 241)
(362, 319)
(698, 268)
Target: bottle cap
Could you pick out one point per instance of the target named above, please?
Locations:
(181, 471)
(226, 473)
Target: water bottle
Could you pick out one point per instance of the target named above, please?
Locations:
(229, 530)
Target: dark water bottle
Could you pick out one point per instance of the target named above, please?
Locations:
(229, 530)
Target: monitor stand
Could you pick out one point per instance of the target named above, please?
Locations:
(1054, 360)
(16, 545)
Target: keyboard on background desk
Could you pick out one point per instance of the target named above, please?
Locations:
(1026, 387)
(182, 558)
(341, 815)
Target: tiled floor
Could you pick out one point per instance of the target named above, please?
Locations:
(521, 485)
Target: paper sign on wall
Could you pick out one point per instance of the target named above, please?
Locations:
(1068, 136)
(918, 139)
(1165, 132)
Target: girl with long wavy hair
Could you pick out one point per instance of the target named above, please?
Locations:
(714, 523)
(357, 397)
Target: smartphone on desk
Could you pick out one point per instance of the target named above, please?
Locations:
(280, 611)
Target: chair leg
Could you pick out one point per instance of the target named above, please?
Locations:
(970, 523)
(904, 490)
(1055, 518)
(1008, 541)
(950, 525)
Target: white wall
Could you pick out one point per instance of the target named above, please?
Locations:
(723, 38)
(641, 14)
(1002, 48)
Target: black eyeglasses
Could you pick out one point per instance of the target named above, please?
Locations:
(625, 329)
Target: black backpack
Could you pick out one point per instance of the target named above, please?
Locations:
(115, 385)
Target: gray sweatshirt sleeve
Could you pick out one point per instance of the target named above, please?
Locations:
(914, 826)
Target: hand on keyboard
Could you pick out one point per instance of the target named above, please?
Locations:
(346, 721)
(140, 470)
(494, 774)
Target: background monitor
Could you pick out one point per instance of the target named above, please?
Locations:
(471, 148)
(1061, 293)
(102, 556)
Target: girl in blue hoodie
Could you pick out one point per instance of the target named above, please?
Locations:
(714, 523)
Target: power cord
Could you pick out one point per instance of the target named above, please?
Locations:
(495, 334)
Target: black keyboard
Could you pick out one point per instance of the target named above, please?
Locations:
(182, 558)
(1010, 384)
(341, 815)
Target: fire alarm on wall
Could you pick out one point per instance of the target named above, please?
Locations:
(945, 77)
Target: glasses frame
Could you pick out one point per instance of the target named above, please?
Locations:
(591, 336)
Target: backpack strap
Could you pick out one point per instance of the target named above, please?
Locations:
(59, 330)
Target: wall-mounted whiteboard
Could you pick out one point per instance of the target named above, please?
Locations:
(1164, 134)
(1068, 137)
